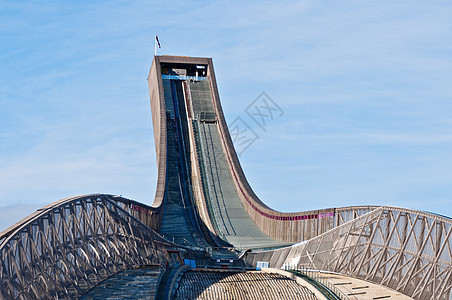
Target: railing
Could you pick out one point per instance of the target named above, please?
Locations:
(183, 77)
(323, 285)
(69, 246)
(149, 215)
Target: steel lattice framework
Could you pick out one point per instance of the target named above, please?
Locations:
(407, 250)
(69, 246)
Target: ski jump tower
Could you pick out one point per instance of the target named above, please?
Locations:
(204, 208)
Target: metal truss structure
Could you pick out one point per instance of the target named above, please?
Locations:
(407, 250)
(68, 247)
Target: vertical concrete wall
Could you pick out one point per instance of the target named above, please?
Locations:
(159, 126)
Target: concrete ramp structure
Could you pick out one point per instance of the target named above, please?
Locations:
(199, 171)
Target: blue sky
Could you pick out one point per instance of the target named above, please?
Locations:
(365, 87)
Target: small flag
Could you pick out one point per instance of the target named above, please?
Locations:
(157, 40)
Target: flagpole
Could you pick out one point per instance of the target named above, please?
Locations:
(155, 45)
